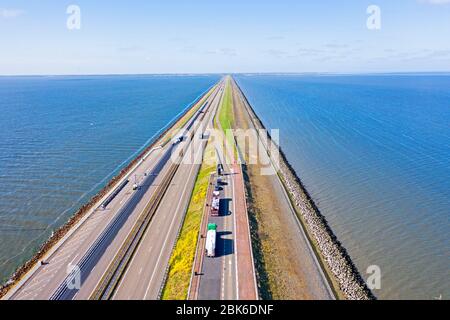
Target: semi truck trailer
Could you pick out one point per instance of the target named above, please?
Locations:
(215, 204)
(210, 247)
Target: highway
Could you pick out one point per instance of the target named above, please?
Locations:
(144, 276)
(230, 275)
(94, 243)
(219, 274)
(122, 252)
(316, 283)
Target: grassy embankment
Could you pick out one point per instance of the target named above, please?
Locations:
(277, 274)
(59, 233)
(182, 259)
(226, 116)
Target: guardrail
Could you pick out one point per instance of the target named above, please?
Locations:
(253, 118)
(111, 278)
(107, 285)
(199, 254)
(166, 272)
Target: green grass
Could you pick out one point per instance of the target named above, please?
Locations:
(182, 259)
(226, 117)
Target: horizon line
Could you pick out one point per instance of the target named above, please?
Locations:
(228, 73)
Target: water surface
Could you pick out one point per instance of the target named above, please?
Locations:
(374, 152)
(63, 138)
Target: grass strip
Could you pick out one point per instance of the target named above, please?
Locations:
(182, 259)
(226, 117)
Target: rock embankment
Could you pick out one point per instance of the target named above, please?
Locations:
(333, 254)
(63, 230)
(58, 234)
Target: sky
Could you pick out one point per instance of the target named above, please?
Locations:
(199, 36)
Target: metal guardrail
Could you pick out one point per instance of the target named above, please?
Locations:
(166, 272)
(194, 282)
(111, 278)
(107, 285)
(315, 253)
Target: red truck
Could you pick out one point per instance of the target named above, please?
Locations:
(215, 204)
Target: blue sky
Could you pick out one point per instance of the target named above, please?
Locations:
(201, 36)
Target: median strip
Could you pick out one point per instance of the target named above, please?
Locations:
(182, 259)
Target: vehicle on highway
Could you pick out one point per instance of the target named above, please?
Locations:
(215, 204)
(114, 194)
(177, 139)
(210, 246)
(220, 169)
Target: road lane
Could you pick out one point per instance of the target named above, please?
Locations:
(43, 283)
(219, 275)
(304, 258)
(115, 221)
(144, 276)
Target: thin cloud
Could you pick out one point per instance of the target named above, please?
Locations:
(228, 52)
(309, 51)
(130, 49)
(10, 13)
(276, 53)
(223, 51)
(275, 38)
(336, 46)
(436, 2)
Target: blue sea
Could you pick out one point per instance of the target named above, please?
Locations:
(63, 138)
(374, 152)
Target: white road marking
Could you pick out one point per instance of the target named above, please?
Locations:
(235, 241)
(168, 233)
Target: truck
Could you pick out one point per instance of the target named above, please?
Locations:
(215, 204)
(220, 169)
(210, 246)
(114, 194)
(177, 139)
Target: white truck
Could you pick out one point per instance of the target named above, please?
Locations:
(215, 205)
(210, 246)
(177, 139)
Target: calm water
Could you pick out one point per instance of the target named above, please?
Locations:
(63, 138)
(374, 152)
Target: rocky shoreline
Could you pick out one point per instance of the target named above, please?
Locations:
(59, 233)
(338, 261)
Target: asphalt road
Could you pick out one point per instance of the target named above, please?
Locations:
(218, 280)
(317, 284)
(93, 245)
(144, 276)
